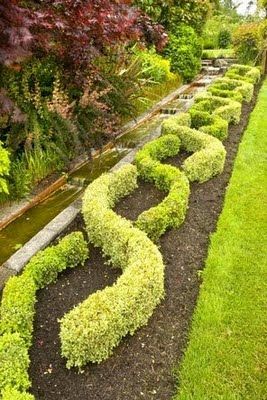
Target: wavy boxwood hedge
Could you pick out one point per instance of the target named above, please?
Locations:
(13, 394)
(47, 264)
(226, 108)
(90, 331)
(17, 310)
(14, 362)
(225, 93)
(209, 123)
(209, 153)
(170, 213)
(17, 307)
(226, 85)
(244, 72)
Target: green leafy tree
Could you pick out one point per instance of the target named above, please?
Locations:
(262, 4)
(172, 12)
(184, 51)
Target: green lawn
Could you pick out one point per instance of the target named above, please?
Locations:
(226, 357)
(218, 53)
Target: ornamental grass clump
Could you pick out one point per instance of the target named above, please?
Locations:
(91, 330)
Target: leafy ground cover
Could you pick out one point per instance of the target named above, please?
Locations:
(227, 353)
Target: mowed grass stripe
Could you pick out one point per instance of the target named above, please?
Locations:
(227, 354)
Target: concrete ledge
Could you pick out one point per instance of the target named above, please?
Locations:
(41, 240)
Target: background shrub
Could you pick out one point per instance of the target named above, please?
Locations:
(153, 66)
(217, 23)
(224, 39)
(248, 43)
(184, 51)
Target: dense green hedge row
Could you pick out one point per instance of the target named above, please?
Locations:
(209, 123)
(17, 310)
(172, 210)
(208, 155)
(237, 89)
(227, 109)
(244, 72)
(198, 132)
(91, 330)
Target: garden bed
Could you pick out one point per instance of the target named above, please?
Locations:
(141, 366)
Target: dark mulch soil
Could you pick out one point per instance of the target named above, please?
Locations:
(141, 367)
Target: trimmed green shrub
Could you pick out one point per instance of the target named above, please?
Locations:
(234, 85)
(149, 167)
(47, 264)
(208, 123)
(14, 362)
(13, 394)
(91, 330)
(104, 193)
(209, 154)
(169, 125)
(17, 310)
(17, 307)
(230, 94)
(171, 211)
(227, 109)
(184, 50)
(244, 72)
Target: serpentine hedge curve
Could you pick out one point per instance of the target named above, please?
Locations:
(91, 330)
